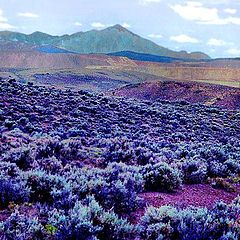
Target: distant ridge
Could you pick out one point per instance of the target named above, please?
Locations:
(153, 58)
(20, 47)
(51, 49)
(110, 40)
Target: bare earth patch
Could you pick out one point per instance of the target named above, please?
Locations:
(198, 195)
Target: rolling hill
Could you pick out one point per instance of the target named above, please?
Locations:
(192, 92)
(109, 40)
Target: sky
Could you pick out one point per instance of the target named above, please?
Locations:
(210, 26)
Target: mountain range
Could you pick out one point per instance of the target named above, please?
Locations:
(110, 40)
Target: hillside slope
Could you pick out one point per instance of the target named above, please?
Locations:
(49, 60)
(193, 92)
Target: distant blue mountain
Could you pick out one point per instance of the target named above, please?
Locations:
(152, 58)
(52, 49)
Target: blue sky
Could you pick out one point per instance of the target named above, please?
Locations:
(211, 26)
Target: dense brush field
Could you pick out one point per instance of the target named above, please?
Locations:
(74, 164)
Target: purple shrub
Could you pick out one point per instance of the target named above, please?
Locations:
(19, 227)
(195, 171)
(12, 190)
(88, 220)
(169, 222)
(85, 157)
(161, 177)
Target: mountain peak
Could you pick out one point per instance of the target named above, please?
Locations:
(119, 28)
(38, 34)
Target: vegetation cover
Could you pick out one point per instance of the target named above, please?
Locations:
(73, 165)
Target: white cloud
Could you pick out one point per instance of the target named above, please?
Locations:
(4, 22)
(28, 15)
(195, 11)
(78, 24)
(126, 25)
(158, 36)
(230, 10)
(4, 25)
(234, 51)
(184, 39)
(216, 42)
(2, 18)
(216, 2)
(98, 25)
(146, 2)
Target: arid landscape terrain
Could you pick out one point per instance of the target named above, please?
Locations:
(104, 142)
